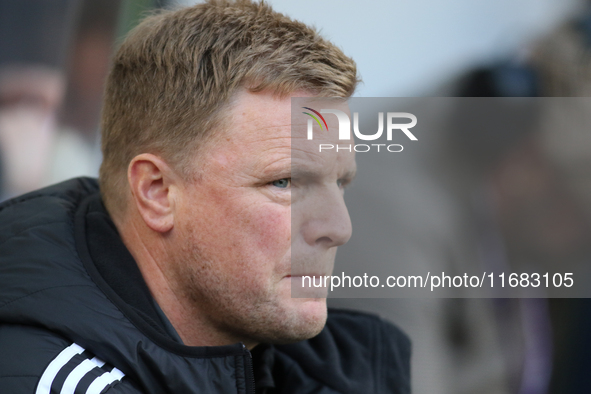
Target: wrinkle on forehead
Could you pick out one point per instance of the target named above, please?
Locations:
(262, 130)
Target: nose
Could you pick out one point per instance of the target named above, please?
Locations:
(327, 222)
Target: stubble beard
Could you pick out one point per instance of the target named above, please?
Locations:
(242, 309)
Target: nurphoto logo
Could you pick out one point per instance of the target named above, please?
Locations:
(345, 130)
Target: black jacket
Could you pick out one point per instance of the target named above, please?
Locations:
(76, 316)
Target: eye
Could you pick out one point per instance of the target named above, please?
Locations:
(283, 183)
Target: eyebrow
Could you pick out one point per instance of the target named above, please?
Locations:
(309, 174)
(303, 173)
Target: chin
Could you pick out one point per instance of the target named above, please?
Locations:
(297, 319)
(307, 319)
(313, 309)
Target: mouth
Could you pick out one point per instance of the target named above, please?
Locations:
(309, 280)
(309, 285)
(310, 275)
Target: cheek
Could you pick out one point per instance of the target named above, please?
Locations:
(242, 230)
(257, 254)
(269, 228)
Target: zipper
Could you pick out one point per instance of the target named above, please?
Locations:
(249, 371)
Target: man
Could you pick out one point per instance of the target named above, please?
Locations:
(175, 277)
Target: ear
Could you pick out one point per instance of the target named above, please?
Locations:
(152, 184)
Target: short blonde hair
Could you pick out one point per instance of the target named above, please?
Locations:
(178, 69)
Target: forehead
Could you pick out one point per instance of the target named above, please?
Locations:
(262, 129)
(260, 115)
(310, 130)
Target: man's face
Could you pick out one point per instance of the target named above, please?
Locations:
(245, 218)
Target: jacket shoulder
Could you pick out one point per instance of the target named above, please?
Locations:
(35, 360)
(50, 204)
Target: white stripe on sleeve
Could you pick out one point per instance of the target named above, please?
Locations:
(78, 373)
(104, 380)
(44, 386)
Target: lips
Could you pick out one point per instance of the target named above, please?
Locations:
(311, 275)
(309, 285)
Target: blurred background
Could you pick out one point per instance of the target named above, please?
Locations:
(497, 198)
